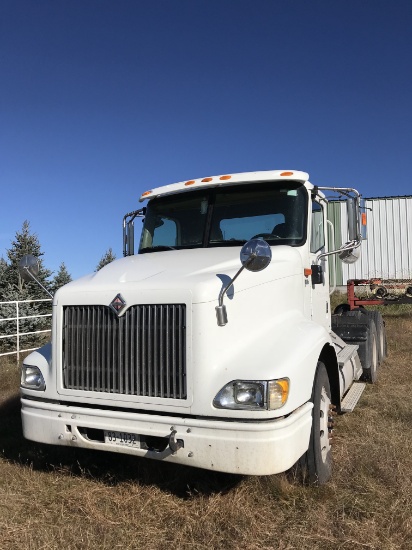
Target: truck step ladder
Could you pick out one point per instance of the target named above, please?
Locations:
(352, 397)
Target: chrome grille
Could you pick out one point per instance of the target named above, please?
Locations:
(141, 353)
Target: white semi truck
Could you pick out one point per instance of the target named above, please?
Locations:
(211, 344)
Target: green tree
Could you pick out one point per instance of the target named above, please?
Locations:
(62, 278)
(14, 288)
(107, 258)
(26, 243)
(3, 274)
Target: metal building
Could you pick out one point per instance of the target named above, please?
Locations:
(386, 250)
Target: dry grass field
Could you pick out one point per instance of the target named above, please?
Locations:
(71, 499)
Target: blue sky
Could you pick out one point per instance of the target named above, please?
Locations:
(101, 100)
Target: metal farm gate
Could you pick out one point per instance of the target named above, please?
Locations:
(13, 327)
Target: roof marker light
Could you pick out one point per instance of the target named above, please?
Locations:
(225, 177)
(206, 179)
(190, 182)
(286, 174)
(146, 193)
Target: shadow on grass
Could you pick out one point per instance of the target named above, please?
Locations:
(105, 467)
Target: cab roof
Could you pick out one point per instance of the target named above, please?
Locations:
(226, 180)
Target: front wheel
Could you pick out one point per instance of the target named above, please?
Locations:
(316, 463)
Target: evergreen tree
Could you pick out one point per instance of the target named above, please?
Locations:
(3, 270)
(26, 243)
(6, 310)
(108, 257)
(62, 278)
(14, 288)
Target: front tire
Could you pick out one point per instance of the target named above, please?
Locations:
(316, 463)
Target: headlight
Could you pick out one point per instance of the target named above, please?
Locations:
(253, 394)
(32, 378)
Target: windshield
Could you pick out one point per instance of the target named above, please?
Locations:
(226, 216)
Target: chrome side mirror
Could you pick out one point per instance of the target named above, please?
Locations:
(353, 212)
(255, 256)
(128, 230)
(29, 268)
(350, 251)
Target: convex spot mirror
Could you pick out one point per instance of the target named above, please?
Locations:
(255, 255)
(28, 267)
(349, 256)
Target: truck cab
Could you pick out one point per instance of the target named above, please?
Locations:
(209, 344)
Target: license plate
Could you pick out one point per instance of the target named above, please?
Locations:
(122, 439)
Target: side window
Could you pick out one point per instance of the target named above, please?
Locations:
(317, 236)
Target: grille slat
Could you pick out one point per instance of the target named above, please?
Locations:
(173, 353)
(141, 353)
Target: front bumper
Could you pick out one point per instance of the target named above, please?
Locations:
(251, 448)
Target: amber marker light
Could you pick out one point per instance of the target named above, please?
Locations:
(146, 193)
(205, 180)
(278, 391)
(225, 177)
(190, 182)
(286, 174)
(307, 271)
(363, 216)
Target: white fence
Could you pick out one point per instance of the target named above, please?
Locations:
(18, 320)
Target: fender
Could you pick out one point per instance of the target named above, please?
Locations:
(328, 358)
(298, 346)
(283, 345)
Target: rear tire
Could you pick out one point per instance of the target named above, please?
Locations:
(380, 334)
(316, 463)
(370, 355)
(341, 308)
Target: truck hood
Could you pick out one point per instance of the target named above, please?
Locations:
(202, 271)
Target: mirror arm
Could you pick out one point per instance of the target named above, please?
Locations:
(251, 251)
(341, 190)
(26, 268)
(229, 284)
(347, 246)
(332, 231)
(221, 313)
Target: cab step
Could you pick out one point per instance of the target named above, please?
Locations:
(346, 353)
(352, 397)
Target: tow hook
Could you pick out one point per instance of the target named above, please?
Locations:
(175, 444)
